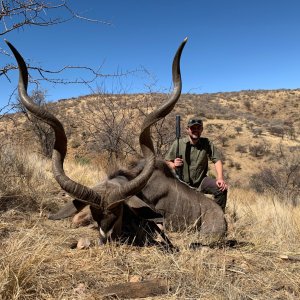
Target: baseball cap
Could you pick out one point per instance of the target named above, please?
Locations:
(194, 121)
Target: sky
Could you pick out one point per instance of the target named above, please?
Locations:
(232, 45)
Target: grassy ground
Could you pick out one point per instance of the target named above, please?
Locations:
(37, 260)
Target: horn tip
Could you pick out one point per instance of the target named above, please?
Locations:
(9, 44)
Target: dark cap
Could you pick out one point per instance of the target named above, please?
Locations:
(194, 121)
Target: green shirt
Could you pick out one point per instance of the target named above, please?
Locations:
(195, 158)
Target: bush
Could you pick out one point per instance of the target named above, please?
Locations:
(19, 175)
(277, 130)
(238, 129)
(224, 140)
(241, 148)
(247, 104)
(238, 166)
(43, 132)
(256, 132)
(257, 150)
(283, 181)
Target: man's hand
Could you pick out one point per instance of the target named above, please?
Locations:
(178, 162)
(221, 184)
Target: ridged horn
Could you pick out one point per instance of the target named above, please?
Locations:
(60, 146)
(80, 191)
(146, 144)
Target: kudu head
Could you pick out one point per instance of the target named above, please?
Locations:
(109, 204)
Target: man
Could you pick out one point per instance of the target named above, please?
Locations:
(194, 152)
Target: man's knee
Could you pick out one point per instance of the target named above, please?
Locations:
(221, 198)
(209, 186)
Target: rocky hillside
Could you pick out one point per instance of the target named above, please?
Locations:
(254, 130)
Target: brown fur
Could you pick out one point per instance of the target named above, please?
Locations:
(182, 207)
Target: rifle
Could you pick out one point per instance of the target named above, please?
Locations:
(178, 170)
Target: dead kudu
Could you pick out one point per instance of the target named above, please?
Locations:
(181, 206)
(130, 201)
(120, 214)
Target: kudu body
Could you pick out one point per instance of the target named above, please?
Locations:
(181, 206)
(115, 207)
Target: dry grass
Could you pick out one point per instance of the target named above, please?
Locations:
(37, 258)
(19, 173)
(38, 262)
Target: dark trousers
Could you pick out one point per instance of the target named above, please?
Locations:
(209, 186)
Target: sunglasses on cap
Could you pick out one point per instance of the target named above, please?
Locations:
(193, 122)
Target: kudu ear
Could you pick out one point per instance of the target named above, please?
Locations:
(142, 209)
(138, 207)
(115, 206)
(68, 210)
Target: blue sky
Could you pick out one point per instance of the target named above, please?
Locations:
(232, 45)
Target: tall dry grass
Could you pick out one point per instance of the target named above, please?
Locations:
(273, 224)
(23, 175)
(37, 259)
(26, 175)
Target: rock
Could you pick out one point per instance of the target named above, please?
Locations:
(80, 289)
(135, 278)
(83, 243)
(135, 290)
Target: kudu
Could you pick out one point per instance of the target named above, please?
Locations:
(114, 204)
(181, 206)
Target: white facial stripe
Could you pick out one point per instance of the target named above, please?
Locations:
(105, 235)
(102, 233)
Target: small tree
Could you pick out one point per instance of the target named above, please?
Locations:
(238, 129)
(108, 123)
(257, 150)
(247, 104)
(283, 180)
(277, 130)
(43, 132)
(256, 132)
(241, 148)
(223, 140)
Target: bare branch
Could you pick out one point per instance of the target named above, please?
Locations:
(16, 14)
(44, 74)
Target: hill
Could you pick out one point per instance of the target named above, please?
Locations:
(254, 130)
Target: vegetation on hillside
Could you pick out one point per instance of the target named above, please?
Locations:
(257, 132)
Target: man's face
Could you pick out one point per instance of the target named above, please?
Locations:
(194, 132)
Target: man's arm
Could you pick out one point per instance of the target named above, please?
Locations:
(171, 159)
(220, 179)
